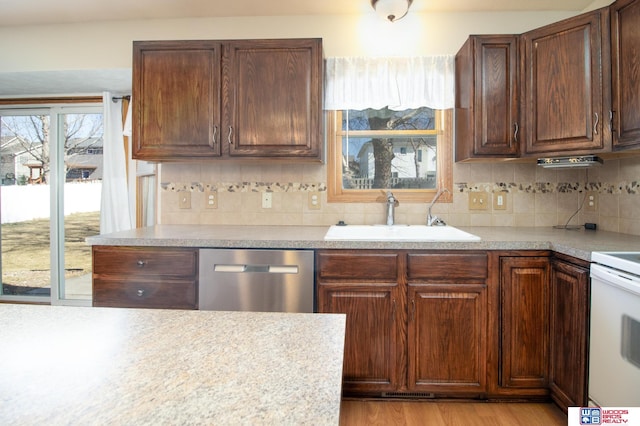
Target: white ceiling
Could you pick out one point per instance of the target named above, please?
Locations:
(29, 12)
(41, 12)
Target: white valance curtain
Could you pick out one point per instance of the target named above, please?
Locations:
(398, 83)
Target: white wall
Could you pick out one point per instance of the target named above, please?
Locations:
(107, 45)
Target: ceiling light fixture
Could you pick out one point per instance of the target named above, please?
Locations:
(391, 10)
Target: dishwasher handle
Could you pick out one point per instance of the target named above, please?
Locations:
(270, 269)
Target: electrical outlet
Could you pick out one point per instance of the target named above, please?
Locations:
(500, 200)
(211, 199)
(267, 200)
(314, 201)
(591, 203)
(478, 200)
(184, 199)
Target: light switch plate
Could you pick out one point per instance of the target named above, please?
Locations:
(267, 200)
(478, 200)
(184, 199)
(500, 200)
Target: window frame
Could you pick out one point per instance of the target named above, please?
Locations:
(444, 163)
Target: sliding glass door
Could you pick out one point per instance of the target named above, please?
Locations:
(51, 173)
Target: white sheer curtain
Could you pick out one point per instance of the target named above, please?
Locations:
(398, 83)
(115, 210)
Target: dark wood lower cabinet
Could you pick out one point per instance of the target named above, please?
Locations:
(524, 325)
(447, 339)
(569, 332)
(415, 320)
(370, 358)
(460, 324)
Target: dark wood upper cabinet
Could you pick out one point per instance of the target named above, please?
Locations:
(272, 98)
(563, 87)
(487, 114)
(625, 73)
(228, 99)
(176, 99)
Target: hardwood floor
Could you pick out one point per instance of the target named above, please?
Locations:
(409, 413)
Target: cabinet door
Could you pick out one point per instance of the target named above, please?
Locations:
(569, 330)
(447, 339)
(563, 84)
(176, 99)
(524, 324)
(273, 98)
(625, 73)
(371, 339)
(487, 117)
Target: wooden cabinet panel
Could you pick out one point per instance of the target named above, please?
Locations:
(569, 333)
(273, 98)
(138, 293)
(447, 266)
(363, 265)
(145, 277)
(440, 350)
(176, 99)
(625, 73)
(563, 86)
(447, 339)
(524, 322)
(487, 112)
(372, 335)
(198, 99)
(116, 260)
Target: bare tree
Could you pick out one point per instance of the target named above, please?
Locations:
(32, 134)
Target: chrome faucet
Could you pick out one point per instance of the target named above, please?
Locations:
(435, 220)
(391, 204)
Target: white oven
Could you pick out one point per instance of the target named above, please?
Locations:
(614, 345)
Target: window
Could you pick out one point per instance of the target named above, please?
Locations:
(408, 152)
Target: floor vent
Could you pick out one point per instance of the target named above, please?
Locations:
(408, 395)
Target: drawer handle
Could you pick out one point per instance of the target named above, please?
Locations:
(140, 293)
(141, 263)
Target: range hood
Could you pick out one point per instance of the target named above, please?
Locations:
(570, 162)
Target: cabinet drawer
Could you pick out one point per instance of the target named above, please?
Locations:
(162, 294)
(447, 266)
(358, 265)
(144, 261)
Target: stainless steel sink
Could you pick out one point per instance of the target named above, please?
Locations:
(397, 233)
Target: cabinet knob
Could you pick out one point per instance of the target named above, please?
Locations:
(140, 293)
(229, 135)
(141, 263)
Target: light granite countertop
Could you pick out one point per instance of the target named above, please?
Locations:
(100, 366)
(577, 243)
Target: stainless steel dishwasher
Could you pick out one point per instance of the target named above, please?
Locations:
(256, 280)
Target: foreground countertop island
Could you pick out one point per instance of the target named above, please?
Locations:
(73, 365)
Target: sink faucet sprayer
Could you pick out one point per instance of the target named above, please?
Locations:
(435, 220)
(392, 202)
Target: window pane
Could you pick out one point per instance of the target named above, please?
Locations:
(385, 149)
(386, 119)
(391, 162)
(25, 249)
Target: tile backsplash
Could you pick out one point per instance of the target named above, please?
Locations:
(534, 196)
